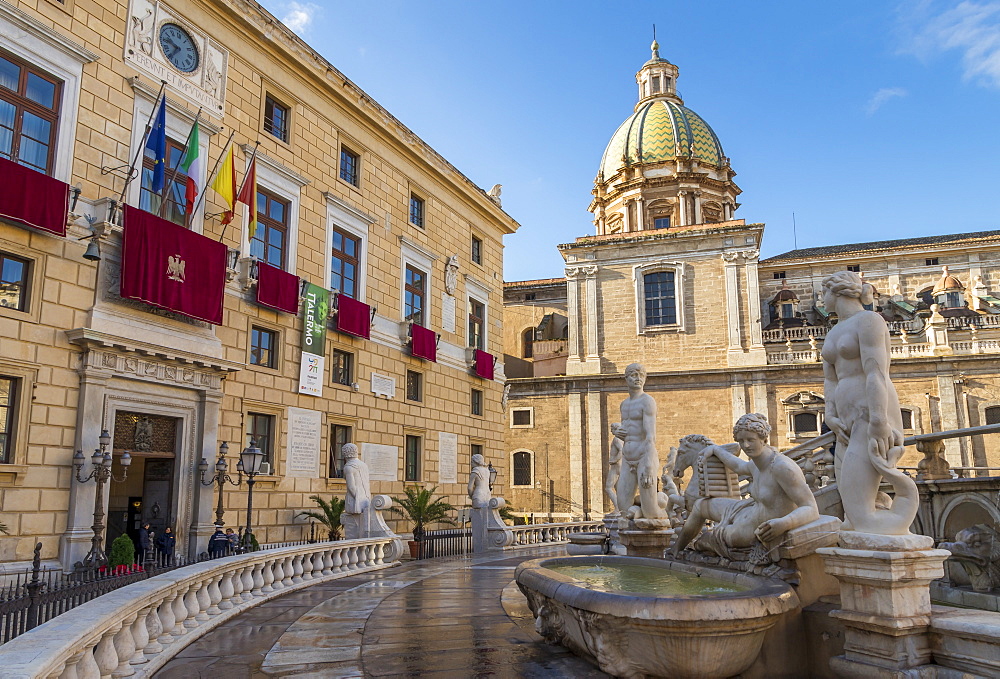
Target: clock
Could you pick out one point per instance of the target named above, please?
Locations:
(179, 48)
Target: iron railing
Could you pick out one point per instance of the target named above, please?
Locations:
(445, 542)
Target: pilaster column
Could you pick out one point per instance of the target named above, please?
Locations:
(640, 217)
(592, 349)
(697, 208)
(575, 473)
(626, 216)
(573, 309)
(731, 261)
(948, 411)
(203, 516)
(595, 456)
(753, 303)
(739, 396)
(682, 204)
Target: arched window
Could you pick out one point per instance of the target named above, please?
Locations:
(805, 423)
(522, 468)
(528, 343)
(992, 415)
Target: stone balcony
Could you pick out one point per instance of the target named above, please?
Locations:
(897, 350)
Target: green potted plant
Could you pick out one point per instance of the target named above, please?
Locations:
(122, 554)
(422, 509)
(328, 515)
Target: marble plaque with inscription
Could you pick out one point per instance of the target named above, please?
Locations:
(447, 457)
(382, 461)
(447, 312)
(383, 385)
(304, 436)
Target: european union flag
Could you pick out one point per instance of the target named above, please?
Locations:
(157, 143)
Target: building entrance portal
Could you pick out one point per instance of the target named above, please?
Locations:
(148, 494)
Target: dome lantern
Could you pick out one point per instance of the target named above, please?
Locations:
(657, 79)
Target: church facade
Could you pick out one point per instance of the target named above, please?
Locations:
(673, 279)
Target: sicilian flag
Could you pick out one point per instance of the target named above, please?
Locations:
(192, 167)
(156, 142)
(248, 194)
(225, 184)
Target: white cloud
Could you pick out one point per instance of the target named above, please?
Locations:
(972, 28)
(299, 15)
(882, 96)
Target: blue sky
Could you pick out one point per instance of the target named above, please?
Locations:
(868, 120)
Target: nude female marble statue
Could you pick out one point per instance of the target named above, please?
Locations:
(862, 409)
(779, 498)
(614, 467)
(640, 464)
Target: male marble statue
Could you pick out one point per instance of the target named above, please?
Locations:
(640, 464)
(779, 498)
(862, 409)
(358, 492)
(614, 467)
(479, 482)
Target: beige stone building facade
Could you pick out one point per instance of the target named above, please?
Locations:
(672, 280)
(347, 198)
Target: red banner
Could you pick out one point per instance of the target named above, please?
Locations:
(423, 342)
(168, 266)
(33, 199)
(353, 317)
(484, 365)
(277, 289)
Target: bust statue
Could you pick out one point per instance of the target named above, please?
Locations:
(479, 482)
(358, 492)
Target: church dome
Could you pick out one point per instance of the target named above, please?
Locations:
(661, 130)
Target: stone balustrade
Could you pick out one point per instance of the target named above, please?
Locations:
(541, 533)
(800, 333)
(133, 631)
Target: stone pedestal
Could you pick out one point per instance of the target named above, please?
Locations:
(885, 602)
(646, 543)
(611, 525)
(489, 532)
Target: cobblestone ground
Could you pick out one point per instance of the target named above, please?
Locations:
(449, 617)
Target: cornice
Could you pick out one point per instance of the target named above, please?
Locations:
(25, 22)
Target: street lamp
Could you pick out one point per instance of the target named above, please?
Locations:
(251, 459)
(101, 462)
(220, 477)
(493, 475)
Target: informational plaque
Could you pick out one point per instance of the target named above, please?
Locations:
(447, 312)
(447, 457)
(304, 434)
(383, 385)
(382, 461)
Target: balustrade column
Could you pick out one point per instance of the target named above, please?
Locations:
(289, 566)
(124, 646)
(269, 573)
(328, 564)
(204, 601)
(227, 589)
(258, 581)
(168, 621)
(104, 652)
(307, 566)
(153, 630)
(214, 595)
(191, 608)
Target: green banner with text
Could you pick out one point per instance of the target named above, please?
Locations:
(315, 309)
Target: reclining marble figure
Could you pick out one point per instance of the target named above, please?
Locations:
(779, 500)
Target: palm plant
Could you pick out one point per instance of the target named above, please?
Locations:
(328, 514)
(420, 507)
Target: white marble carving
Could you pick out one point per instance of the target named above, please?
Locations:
(358, 492)
(614, 467)
(640, 464)
(479, 482)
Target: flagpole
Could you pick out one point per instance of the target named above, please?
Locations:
(242, 185)
(142, 145)
(211, 175)
(173, 176)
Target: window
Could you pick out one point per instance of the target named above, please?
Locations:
(174, 185)
(416, 211)
(476, 448)
(477, 250)
(528, 343)
(477, 402)
(661, 223)
(779, 275)
(805, 423)
(13, 282)
(954, 300)
(477, 322)
(522, 417)
(661, 305)
(414, 289)
(992, 415)
(907, 418)
(29, 113)
(344, 263)
(263, 347)
(268, 242)
(412, 465)
(414, 386)
(856, 268)
(656, 84)
(931, 261)
(342, 367)
(788, 311)
(260, 428)
(8, 409)
(276, 117)
(529, 296)
(339, 435)
(349, 166)
(522, 468)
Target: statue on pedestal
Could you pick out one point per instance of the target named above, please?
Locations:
(358, 497)
(780, 500)
(479, 482)
(862, 409)
(640, 464)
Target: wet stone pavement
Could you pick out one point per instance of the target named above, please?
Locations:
(449, 617)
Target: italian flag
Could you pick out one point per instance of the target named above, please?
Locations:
(192, 166)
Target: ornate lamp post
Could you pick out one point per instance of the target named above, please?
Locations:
(251, 459)
(220, 477)
(101, 462)
(493, 475)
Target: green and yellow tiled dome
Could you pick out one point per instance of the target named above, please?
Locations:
(661, 130)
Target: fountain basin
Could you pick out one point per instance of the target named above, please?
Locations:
(714, 633)
(582, 544)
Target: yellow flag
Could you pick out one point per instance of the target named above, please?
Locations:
(225, 184)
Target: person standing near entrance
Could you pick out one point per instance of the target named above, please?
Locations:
(145, 541)
(166, 544)
(218, 543)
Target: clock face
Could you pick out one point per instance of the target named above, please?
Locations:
(178, 48)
